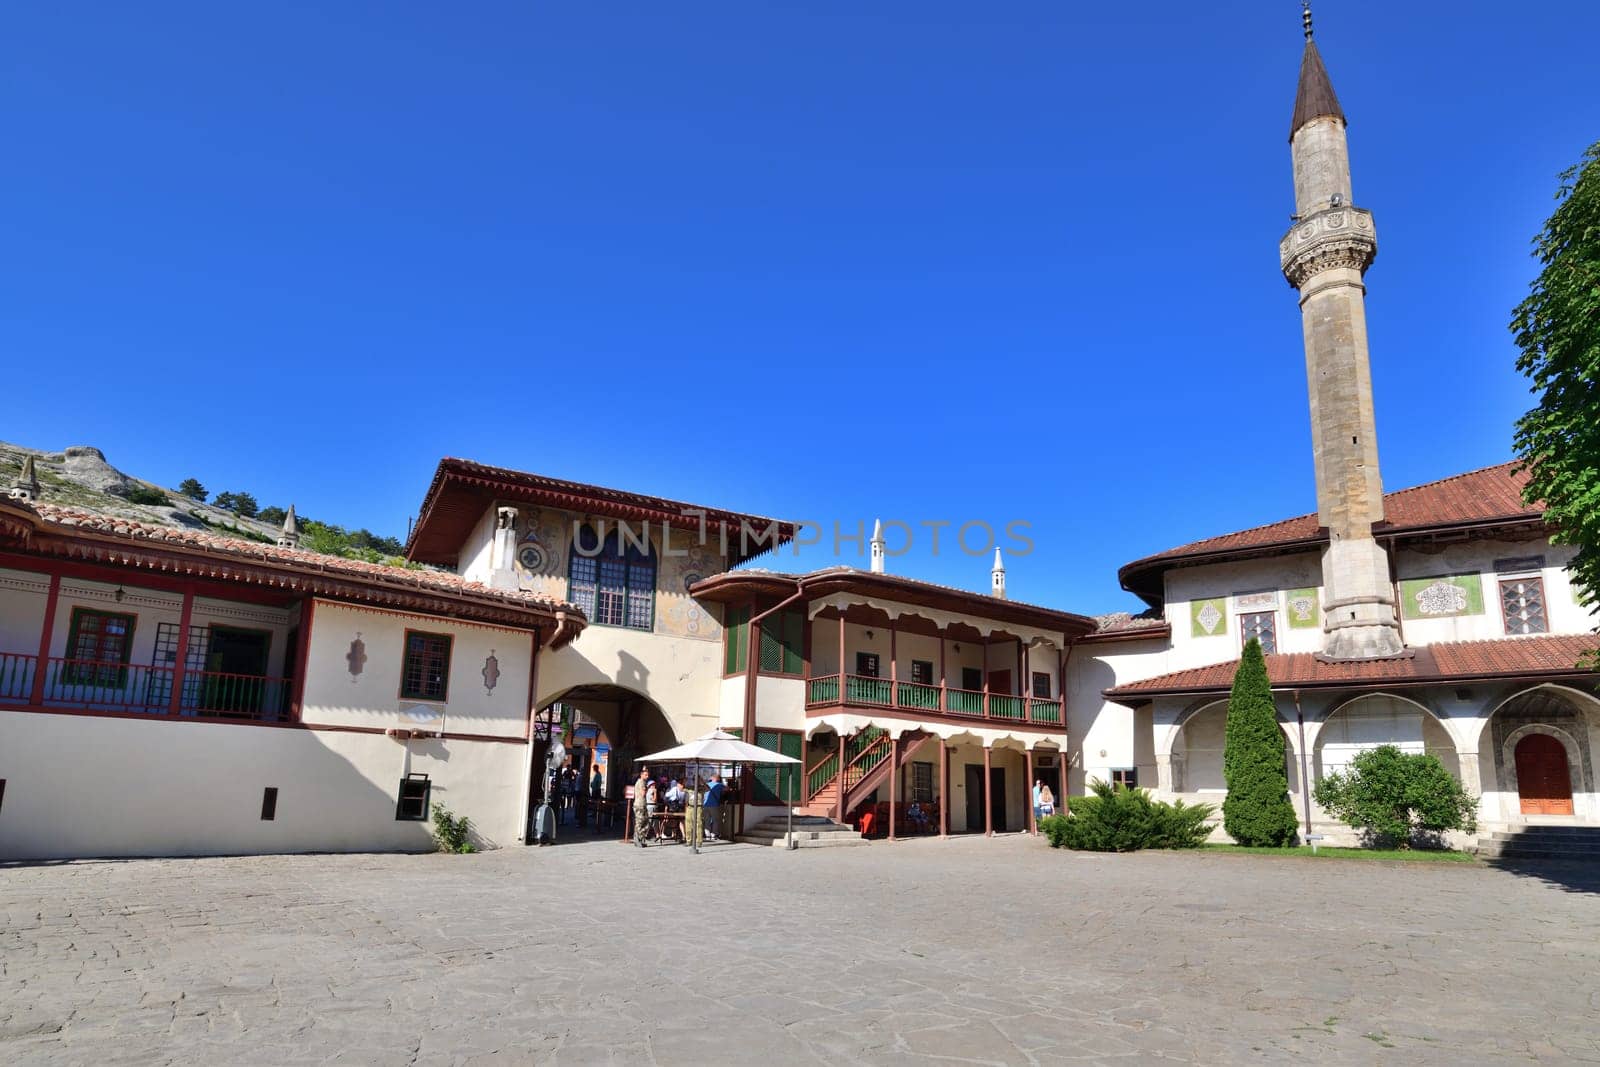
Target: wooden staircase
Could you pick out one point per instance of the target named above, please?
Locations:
(867, 767)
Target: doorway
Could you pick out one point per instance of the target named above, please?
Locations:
(236, 669)
(997, 805)
(1544, 783)
(1000, 683)
(974, 798)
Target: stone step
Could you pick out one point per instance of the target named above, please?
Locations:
(764, 830)
(810, 831)
(807, 840)
(1567, 855)
(1566, 833)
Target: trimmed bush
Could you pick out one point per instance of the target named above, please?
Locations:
(1398, 798)
(1257, 811)
(1125, 820)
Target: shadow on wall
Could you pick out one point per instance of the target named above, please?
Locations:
(1100, 677)
(1571, 876)
(92, 787)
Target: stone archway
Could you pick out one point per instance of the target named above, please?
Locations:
(1570, 718)
(1375, 719)
(1197, 748)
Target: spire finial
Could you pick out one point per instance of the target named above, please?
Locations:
(289, 537)
(1305, 16)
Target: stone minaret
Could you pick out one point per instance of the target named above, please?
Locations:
(879, 546)
(26, 487)
(997, 577)
(289, 536)
(1325, 255)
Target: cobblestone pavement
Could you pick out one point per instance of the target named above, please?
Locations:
(967, 950)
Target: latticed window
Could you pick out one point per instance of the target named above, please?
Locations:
(1522, 600)
(783, 643)
(1261, 625)
(425, 674)
(922, 782)
(615, 586)
(922, 671)
(1041, 685)
(1125, 777)
(98, 644)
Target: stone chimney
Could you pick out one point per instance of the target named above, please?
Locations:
(289, 536)
(997, 577)
(878, 544)
(26, 487)
(503, 552)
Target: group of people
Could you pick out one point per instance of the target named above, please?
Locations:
(573, 797)
(1044, 801)
(663, 810)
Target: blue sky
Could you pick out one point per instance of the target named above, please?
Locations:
(929, 261)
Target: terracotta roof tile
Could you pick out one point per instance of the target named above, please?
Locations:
(430, 580)
(1487, 495)
(1451, 661)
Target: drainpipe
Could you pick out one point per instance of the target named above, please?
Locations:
(752, 656)
(1305, 777)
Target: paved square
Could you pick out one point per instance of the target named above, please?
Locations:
(995, 951)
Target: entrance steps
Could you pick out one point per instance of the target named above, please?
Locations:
(810, 831)
(1543, 842)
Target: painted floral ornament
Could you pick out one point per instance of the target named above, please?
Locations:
(491, 673)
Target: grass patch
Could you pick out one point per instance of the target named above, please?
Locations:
(1415, 855)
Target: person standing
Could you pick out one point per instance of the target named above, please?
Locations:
(641, 805)
(1038, 791)
(713, 813)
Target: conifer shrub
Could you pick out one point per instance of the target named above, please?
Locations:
(1113, 819)
(1397, 798)
(1257, 811)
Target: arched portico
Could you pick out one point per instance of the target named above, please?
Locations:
(1536, 751)
(1373, 719)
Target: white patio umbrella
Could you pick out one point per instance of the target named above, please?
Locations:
(719, 746)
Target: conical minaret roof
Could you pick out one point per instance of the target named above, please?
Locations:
(1315, 97)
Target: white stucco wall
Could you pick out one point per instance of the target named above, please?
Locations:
(334, 696)
(79, 785)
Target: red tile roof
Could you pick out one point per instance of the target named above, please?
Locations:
(462, 489)
(1492, 495)
(232, 558)
(1549, 654)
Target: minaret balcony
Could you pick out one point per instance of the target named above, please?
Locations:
(1335, 237)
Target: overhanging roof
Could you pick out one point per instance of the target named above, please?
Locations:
(461, 490)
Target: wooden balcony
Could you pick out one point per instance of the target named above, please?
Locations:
(141, 689)
(911, 699)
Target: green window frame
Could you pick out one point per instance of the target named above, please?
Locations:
(425, 669)
(99, 644)
(783, 643)
(736, 636)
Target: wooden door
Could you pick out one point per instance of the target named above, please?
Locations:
(975, 798)
(997, 803)
(1543, 783)
(1000, 682)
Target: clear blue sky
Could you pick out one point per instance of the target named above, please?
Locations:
(920, 260)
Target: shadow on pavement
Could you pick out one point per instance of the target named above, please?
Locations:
(1571, 876)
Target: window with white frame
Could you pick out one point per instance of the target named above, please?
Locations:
(1261, 625)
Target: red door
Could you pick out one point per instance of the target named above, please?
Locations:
(1543, 783)
(1000, 683)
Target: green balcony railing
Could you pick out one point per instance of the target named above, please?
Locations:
(963, 702)
(1045, 711)
(876, 691)
(824, 690)
(917, 695)
(1005, 707)
(821, 774)
(860, 741)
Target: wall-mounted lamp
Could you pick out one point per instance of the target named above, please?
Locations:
(958, 648)
(869, 635)
(119, 594)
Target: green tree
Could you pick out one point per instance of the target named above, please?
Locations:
(191, 488)
(272, 515)
(225, 501)
(1256, 810)
(1393, 796)
(1557, 329)
(244, 505)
